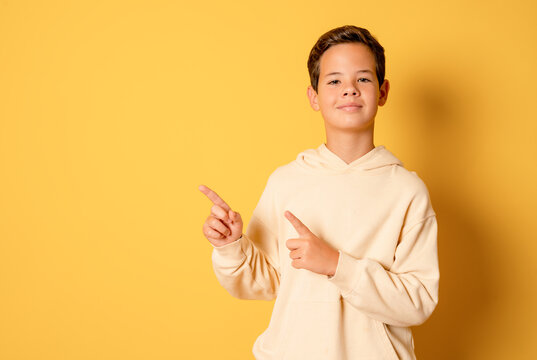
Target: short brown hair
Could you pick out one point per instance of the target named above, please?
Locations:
(341, 35)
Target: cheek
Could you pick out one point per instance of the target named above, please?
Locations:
(330, 99)
(372, 96)
(325, 114)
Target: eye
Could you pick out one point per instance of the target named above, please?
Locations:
(332, 82)
(364, 80)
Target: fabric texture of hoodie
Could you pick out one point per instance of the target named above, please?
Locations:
(379, 216)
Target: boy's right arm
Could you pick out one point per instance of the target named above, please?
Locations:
(244, 269)
(247, 266)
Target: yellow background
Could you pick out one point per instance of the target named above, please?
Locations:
(113, 112)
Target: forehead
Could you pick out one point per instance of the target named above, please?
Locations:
(347, 56)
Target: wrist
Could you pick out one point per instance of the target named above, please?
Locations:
(334, 263)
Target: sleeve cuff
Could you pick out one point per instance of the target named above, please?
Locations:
(230, 254)
(347, 273)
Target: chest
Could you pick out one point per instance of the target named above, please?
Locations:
(362, 217)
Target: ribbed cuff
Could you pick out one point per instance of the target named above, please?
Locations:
(230, 254)
(347, 273)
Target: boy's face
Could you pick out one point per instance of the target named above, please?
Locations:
(348, 90)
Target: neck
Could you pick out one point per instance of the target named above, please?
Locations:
(350, 146)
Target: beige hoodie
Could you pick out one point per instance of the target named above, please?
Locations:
(379, 216)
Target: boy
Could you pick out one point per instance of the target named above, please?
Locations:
(344, 237)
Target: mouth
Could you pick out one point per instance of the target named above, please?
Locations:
(350, 108)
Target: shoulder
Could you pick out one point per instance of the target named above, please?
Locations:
(416, 193)
(277, 180)
(283, 173)
(285, 180)
(409, 180)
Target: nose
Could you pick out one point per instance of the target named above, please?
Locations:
(350, 90)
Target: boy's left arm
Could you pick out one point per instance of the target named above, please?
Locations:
(404, 295)
(407, 293)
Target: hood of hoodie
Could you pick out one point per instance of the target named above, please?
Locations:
(324, 160)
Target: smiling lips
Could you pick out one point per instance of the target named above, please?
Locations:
(350, 107)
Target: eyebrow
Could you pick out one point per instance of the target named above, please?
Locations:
(359, 71)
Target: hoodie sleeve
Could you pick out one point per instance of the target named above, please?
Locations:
(248, 268)
(407, 293)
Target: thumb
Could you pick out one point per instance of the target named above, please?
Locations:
(234, 216)
(235, 222)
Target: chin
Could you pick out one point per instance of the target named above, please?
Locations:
(350, 122)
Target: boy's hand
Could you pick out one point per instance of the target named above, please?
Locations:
(309, 252)
(224, 225)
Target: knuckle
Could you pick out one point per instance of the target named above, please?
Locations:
(215, 234)
(215, 222)
(215, 209)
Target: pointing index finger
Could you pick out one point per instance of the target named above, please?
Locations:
(297, 224)
(213, 196)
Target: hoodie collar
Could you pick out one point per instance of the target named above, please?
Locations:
(323, 159)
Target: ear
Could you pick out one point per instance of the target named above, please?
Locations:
(384, 89)
(312, 96)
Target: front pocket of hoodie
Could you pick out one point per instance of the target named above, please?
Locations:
(271, 343)
(333, 330)
(313, 331)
